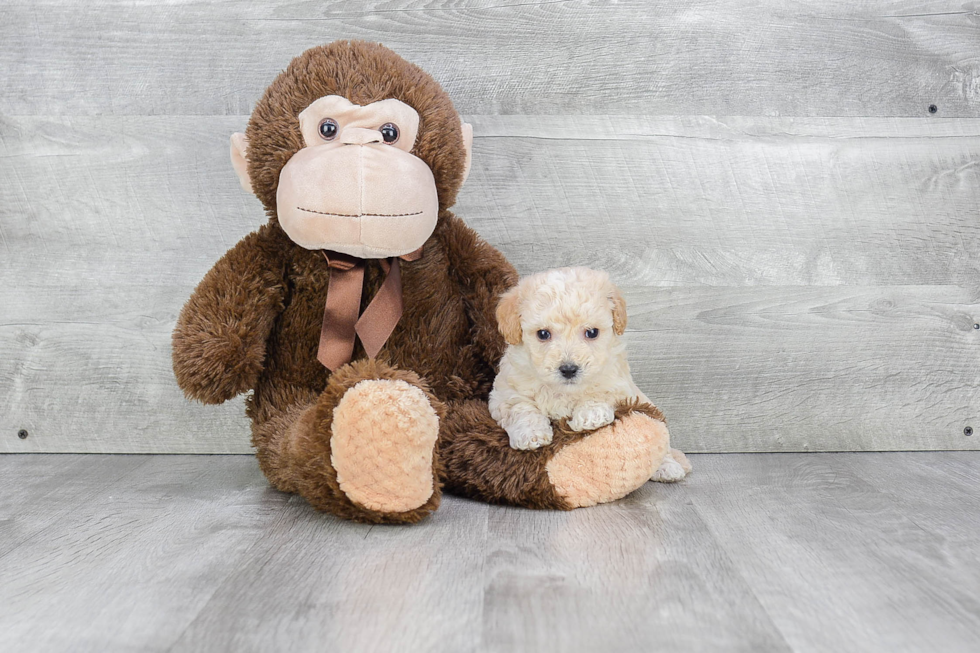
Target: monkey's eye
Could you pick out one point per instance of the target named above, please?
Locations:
(328, 129)
(544, 334)
(389, 132)
(592, 334)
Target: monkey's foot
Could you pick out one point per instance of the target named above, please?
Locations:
(364, 449)
(383, 439)
(611, 462)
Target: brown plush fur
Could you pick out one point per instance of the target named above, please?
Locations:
(475, 450)
(253, 323)
(311, 473)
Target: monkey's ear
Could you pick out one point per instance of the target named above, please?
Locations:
(509, 317)
(468, 146)
(239, 146)
(618, 311)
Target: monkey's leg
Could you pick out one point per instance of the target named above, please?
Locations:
(575, 470)
(364, 449)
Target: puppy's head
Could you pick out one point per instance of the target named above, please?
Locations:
(568, 320)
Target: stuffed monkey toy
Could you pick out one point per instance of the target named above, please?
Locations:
(361, 316)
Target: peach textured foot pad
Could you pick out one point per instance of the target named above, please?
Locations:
(384, 434)
(610, 463)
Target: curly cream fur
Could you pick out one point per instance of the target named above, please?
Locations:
(530, 390)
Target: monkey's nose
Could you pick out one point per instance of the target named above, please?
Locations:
(359, 136)
(568, 370)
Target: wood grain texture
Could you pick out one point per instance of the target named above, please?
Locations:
(783, 58)
(809, 369)
(794, 284)
(38, 492)
(317, 582)
(754, 552)
(642, 574)
(837, 535)
(103, 246)
(136, 556)
(732, 201)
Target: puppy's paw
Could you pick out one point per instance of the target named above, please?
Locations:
(531, 432)
(670, 471)
(589, 417)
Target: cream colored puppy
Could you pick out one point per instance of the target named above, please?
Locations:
(565, 359)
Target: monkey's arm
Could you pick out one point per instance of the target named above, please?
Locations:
(220, 337)
(483, 274)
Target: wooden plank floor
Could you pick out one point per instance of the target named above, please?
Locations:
(754, 552)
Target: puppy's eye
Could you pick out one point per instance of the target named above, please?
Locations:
(544, 334)
(328, 129)
(389, 132)
(592, 334)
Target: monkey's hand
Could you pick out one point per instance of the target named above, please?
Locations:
(219, 340)
(591, 415)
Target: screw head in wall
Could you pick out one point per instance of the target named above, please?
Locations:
(933, 108)
(968, 431)
(22, 434)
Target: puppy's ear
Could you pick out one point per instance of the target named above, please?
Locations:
(618, 311)
(509, 317)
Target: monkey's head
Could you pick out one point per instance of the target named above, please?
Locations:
(353, 149)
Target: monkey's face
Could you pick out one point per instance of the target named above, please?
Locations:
(356, 187)
(353, 149)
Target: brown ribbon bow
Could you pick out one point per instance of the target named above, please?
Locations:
(340, 320)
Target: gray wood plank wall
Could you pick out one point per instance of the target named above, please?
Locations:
(798, 236)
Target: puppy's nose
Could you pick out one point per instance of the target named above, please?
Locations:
(568, 370)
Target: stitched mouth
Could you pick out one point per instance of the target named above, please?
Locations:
(361, 215)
